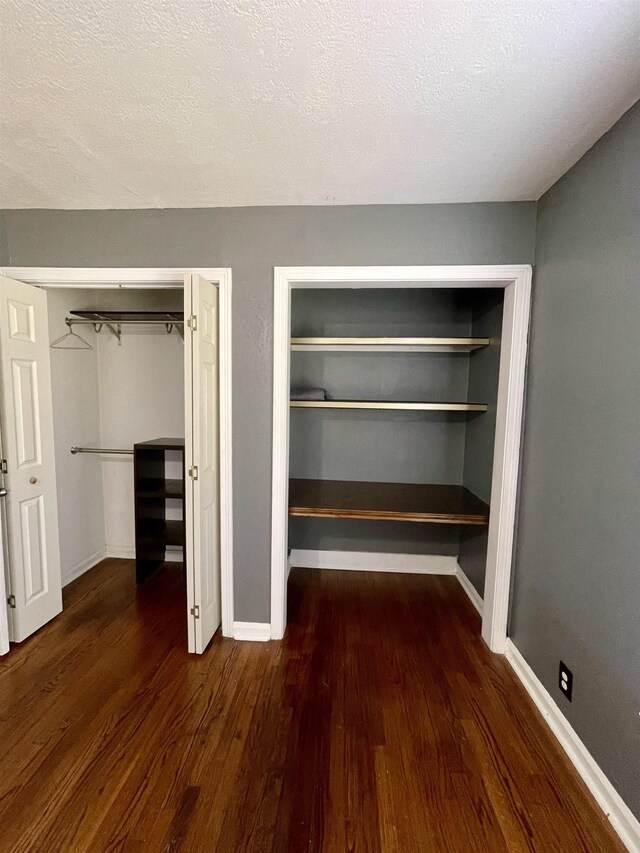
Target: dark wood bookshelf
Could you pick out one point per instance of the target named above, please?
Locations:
(173, 489)
(154, 531)
(430, 503)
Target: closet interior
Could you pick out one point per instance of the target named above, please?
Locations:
(117, 372)
(392, 421)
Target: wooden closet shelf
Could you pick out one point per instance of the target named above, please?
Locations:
(160, 489)
(403, 344)
(152, 488)
(389, 405)
(430, 503)
(161, 532)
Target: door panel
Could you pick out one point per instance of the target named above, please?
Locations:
(27, 426)
(26, 416)
(34, 552)
(202, 451)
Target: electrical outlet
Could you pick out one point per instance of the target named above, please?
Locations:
(565, 680)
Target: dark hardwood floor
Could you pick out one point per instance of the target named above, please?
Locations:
(381, 723)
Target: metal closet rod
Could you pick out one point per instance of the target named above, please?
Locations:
(75, 450)
(84, 321)
(115, 325)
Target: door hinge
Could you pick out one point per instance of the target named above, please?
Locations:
(193, 472)
(11, 601)
(3, 466)
(195, 611)
(192, 323)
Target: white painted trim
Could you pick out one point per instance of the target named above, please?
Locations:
(516, 281)
(255, 631)
(468, 276)
(226, 450)
(472, 593)
(506, 460)
(162, 277)
(280, 451)
(109, 277)
(622, 819)
(366, 561)
(82, 567)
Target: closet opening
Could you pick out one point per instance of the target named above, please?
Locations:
(396, 448)
(115, 443)
(117, 381)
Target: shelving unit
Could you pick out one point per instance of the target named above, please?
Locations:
(377, 404)
(424, 503)
(154, 531)
(107, 316)
(380, 345)
(401, 344)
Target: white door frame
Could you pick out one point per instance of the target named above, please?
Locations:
(154, 279)
(516, 282)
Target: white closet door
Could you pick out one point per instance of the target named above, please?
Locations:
(202, 503)
(31, 506)
(4, 619)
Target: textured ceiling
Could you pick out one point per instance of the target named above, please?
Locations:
(198, 103)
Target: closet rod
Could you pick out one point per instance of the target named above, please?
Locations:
(75, 450)
(71, 321)
(115, 324)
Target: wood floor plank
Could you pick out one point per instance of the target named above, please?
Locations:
(380, 724)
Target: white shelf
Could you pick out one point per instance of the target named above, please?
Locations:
(373, 404)
(387, 344)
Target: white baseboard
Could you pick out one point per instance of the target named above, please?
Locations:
(121, 552)
(622, 820)
(173, 554)
(83, 566)
(258, 631)
(365, 561)
(469, 588)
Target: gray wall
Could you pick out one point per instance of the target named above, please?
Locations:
(577, 576)
(577, 579)
(406, 447)
(252, 241)
(484, 368)
(4, 245)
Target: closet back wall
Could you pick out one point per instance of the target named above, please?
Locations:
(252, 241)
(378, 446)
(141, 397)
(111, 396)
(76, 421)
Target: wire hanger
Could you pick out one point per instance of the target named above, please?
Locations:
(78, 343)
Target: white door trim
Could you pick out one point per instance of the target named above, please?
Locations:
(158, 278)
(516, 282)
